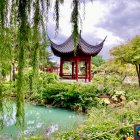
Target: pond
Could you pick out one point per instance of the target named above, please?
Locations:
(40, 120)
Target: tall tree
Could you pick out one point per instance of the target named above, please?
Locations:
(129, 53)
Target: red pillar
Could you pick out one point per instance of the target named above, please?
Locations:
(90, 70)
(92, 75)
(72, 69)
(61, 67)
(86, 72)
(76, 69)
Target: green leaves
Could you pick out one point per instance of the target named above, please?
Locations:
(28, 23)
(106, 124)
(74, 96)
(56, 8)
(3, 13)
(74, 20)
(97, 61)
(129, 53)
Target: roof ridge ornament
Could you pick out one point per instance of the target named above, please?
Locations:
(105, 38)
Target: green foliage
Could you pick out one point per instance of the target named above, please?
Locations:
(74, 20)
(66, 66)
(7, 51)
(106, 123)
(22, 40)
(129, 53)
(98, 61)
(73, 96)
(132, 93)
(24, 17)
(51, 94)
(5, 105)
(1, 108)
(3, 12)
(116, 69)
(35, 138)
(107, 83)
(112, 66)
(56, 8)
(9, 88)
(43, 80)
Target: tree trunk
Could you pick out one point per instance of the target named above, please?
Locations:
(138, 73)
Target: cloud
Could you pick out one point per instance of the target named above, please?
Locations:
(123, 19)
(119, 20)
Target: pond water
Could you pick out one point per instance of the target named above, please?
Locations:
(40, 120)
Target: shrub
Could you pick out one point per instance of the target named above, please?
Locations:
(132, 92)
(53, 89)
(106, 124)
(9, 88)
(35, 92)
(73, 96)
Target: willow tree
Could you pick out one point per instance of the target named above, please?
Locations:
(3, 8)
(129, 53)
(26, 16)
(6, 60)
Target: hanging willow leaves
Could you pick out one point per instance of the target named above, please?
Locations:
(25, 16)
(1, 109)
(56, 13)
(4, 13)
(1, 86)
(5, 64)
(29, 6)
(22, 37)
(36, 39)
(48, 5)
(74, 20)
(2, 7)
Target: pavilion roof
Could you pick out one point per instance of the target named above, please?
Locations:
(83, 48)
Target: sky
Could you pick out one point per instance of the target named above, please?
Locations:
(119, 20)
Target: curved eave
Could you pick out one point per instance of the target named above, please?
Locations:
(62, 44)
(61, 54)
(91, 49)
(67, 48)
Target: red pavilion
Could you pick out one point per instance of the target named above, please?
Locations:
(83, 53)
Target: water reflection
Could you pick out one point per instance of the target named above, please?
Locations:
(40, 120)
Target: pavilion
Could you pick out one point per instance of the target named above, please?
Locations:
(83, 53)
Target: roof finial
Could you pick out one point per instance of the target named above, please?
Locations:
(105, 38)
